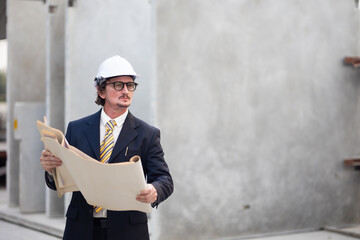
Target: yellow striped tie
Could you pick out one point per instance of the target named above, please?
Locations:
(106, 147)
(107, 144)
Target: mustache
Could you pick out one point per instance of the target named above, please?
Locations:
(125, 95)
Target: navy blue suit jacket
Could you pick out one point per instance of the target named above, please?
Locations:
(140, 139)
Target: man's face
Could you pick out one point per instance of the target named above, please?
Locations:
(116, 100)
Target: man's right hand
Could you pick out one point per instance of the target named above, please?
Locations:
(49, 161)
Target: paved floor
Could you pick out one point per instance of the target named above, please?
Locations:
(35, 222)
(13, 223)
(318, 235)
(15, 232)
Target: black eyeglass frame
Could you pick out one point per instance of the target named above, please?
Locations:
(123, 84)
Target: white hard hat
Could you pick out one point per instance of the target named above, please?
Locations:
(112, 67)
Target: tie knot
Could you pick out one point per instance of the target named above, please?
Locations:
(110, 125)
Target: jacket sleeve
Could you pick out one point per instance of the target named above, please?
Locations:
(158, 173)
(49, 179)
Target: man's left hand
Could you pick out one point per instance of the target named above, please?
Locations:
(148, 195)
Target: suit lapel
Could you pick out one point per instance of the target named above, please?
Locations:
(92, 133)
(127, 134)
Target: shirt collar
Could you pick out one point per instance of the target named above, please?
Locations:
(119, 120)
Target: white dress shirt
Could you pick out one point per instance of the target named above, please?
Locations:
(116, 132)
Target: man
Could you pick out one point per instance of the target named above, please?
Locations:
(113, 135)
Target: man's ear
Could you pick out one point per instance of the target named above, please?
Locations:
(100, 93)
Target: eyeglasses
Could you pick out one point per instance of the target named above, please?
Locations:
(131, 86)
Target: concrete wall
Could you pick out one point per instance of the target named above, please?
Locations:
(96, 30)
(257, 113)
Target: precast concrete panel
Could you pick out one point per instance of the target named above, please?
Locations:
(55, 84)
(96, 30)
(31, 181)
(25, 74)
(258, 112)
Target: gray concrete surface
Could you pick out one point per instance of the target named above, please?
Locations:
(318, 235)
(18, 232)
(55, 84)
(118, 27)
(25, 74)
(31, 191)
(257, 113)
(38, 222)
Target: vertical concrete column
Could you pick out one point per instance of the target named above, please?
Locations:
(31, 174)
(126, 30)
(25, 75)
(55, 53)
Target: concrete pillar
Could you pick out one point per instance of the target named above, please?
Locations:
(127, 30)
(55, 63)
(31, 181)
(25, 74)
